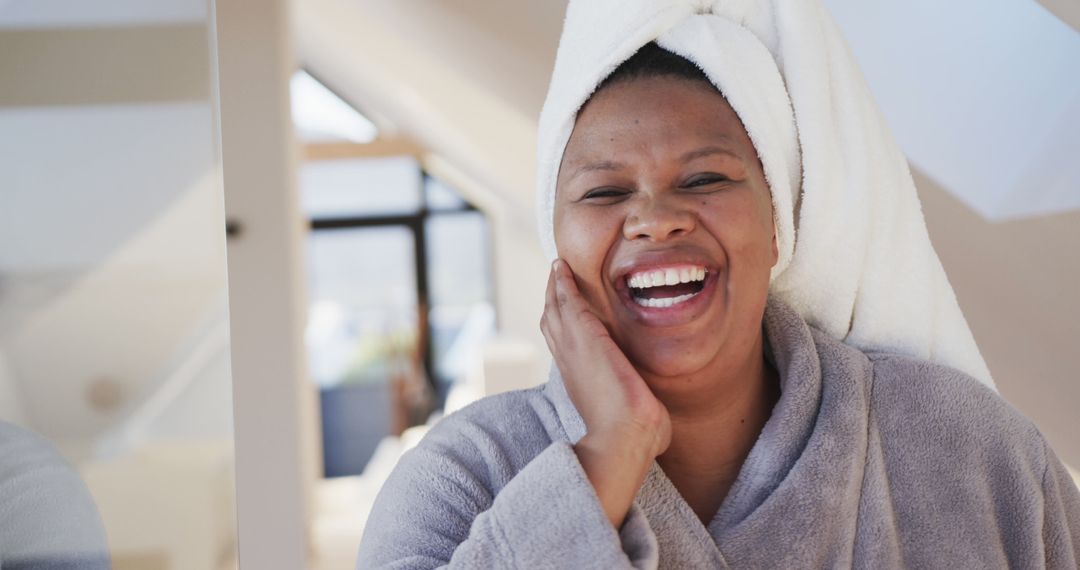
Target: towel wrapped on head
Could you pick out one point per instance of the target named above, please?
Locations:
(855, 258)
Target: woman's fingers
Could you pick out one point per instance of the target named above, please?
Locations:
(572, 306)
(563, 291)
(549, 294)
(550, 321)
(567, 296)
(621, 416)
(565, 322)
(582, 346)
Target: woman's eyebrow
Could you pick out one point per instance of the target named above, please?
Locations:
(708, 151)
(605, 165)
(611, 165)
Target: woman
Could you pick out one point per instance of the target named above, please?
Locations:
(725, 395)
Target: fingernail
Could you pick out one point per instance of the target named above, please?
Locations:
(555, 265)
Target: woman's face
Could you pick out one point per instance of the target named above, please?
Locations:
(663, 213)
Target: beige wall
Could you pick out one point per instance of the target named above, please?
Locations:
(1017, 284)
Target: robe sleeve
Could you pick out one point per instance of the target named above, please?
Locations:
(437, 511)
(48, 518)
(1061, 523)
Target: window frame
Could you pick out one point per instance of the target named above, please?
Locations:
(416, 223)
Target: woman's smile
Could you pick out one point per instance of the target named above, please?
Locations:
(662, 289)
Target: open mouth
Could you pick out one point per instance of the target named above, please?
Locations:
(666, 287)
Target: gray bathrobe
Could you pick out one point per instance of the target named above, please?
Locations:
(48, 520)
(868, 461)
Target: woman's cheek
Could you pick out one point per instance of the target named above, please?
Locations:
(584, 240)
(576, 238)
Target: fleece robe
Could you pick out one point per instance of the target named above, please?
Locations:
(48, 520)
(869, 460)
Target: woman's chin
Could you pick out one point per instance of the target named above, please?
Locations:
(662, 369)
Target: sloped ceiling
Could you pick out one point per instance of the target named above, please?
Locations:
(32, 14)
(983, 96)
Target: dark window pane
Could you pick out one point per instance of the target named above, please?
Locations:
(461, 316)
(458, 258)
(363, 317)
(362, 329)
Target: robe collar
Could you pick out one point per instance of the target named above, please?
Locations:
(810, 453)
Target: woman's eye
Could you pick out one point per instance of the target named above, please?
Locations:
(604, 193)
(701, 181)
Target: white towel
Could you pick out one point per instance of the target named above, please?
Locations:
(855, 257)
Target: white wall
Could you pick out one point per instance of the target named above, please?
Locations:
(112, 252)
(123, 320)
(203, 410)
(111, 223)
(277, 439)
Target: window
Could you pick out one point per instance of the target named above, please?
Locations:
(400, 291)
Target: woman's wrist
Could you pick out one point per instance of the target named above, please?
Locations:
(616, 468)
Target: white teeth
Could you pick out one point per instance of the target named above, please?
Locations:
(662, 277)
(669, 276)
(663, 302)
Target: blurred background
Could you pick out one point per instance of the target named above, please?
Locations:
(114, 325)
(250, 251)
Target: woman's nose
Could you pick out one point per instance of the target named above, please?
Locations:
(658, 219)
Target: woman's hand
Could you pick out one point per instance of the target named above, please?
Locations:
(627, 427)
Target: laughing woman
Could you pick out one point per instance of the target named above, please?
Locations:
(758, 361)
